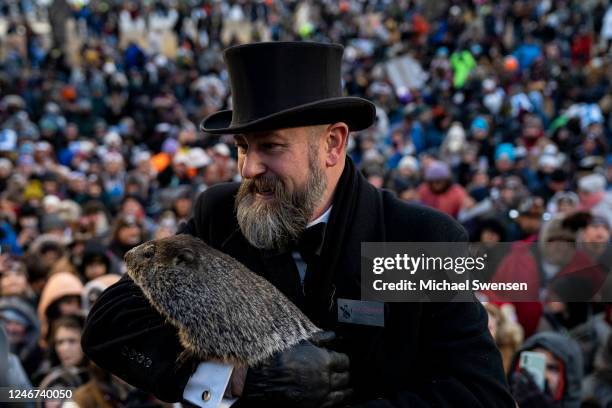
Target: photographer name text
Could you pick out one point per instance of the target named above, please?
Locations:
(434, 285)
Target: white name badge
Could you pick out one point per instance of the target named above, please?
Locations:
(361, 312)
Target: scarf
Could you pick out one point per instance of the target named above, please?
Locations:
(345, 230)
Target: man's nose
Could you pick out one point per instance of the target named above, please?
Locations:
(252, 165)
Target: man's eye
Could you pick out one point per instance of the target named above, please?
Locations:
(270, 146)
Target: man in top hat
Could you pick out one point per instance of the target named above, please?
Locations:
(298, 219)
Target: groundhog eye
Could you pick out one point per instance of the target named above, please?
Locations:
(149, 252)
(185, 257)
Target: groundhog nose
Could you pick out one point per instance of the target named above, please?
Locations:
(140, 254)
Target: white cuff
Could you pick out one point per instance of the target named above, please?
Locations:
(207, 385)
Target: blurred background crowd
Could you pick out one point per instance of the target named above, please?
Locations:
(498, 113)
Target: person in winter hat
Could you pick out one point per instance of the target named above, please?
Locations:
(22, 328)
(61, 296)
(563, 373)
(440, 192)
(12, 374)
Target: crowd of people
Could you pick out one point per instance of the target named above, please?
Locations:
(498, 113)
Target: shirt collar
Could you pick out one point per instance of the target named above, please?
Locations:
(322, 218)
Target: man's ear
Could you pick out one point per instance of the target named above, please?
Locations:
(336, 140)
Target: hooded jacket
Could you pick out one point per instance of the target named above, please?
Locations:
(29, 353)
(59, 285)
(566, 350)
(11, 371)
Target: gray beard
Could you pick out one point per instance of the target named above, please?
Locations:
(275, 223)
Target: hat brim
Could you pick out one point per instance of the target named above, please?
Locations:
(357, 113)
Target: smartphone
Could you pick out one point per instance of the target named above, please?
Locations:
(535, 364)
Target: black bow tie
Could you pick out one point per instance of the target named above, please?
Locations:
(310, 243)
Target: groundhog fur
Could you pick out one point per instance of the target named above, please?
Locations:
(222, 310)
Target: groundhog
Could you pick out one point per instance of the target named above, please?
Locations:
(223, 311)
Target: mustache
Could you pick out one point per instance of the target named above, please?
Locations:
(265, 184)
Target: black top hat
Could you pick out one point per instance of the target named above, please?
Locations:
(279, 85)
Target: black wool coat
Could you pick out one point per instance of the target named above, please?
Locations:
(427, 354)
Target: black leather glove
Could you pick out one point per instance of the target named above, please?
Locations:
(527, 393)
(305, 376)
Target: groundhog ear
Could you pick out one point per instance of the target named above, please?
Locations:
(185, 257)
